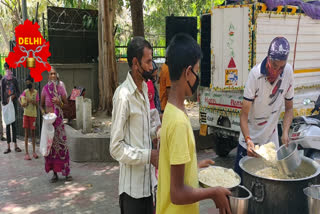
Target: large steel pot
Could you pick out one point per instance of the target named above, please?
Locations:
(313, 194)
(277, 196)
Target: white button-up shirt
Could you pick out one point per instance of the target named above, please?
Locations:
(131, 138)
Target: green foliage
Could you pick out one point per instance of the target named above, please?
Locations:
(81, 4)
(157, 10)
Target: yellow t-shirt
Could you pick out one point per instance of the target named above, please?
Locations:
(177, 146)
(31, 109)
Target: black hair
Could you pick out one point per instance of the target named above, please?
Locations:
(135, 49)
(183, 51)
(6, 65)
(29, 78)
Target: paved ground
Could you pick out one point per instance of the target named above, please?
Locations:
(25, 187)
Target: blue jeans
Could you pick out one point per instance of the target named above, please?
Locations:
(241, 152)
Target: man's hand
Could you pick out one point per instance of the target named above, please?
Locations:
(205, 163)
(154, 158)
(219, 196)
(285, 139)
(250, 148)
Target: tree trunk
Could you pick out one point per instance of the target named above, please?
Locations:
(108, 78)
(4, 35)
(137, 17)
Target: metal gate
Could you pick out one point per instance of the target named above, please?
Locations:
(21, 74)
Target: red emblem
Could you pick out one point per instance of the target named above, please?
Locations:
(31, 50)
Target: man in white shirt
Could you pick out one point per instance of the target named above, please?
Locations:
(131, 133)
(269, 86)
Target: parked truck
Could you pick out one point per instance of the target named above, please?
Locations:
(236, 37)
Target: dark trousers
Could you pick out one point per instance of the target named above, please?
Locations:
(14, 132)
(129, 205)
(241, 152)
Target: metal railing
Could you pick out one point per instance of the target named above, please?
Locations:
(158, 52)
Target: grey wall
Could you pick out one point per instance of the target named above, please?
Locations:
(84, 75)
(123, 69)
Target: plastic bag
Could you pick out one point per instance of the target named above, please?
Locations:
(8, 113)
(47, 133)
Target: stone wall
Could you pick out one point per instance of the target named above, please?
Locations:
(84, 75)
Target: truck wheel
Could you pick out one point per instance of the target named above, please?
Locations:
(221, 148)
(223, 145)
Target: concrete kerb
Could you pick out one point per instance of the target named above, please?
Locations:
(88, 148)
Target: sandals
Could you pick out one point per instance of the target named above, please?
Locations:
(54, 179)
(69, 178)
(35, 156)
(27, 157)
(17, 149)
(7, 151)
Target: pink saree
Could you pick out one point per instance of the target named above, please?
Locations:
(58, 158)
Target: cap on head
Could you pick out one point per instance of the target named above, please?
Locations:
(279, 49)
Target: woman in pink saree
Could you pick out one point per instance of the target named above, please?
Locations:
(53, 98)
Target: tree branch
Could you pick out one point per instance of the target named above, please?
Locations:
(6, 4)
(50, 2)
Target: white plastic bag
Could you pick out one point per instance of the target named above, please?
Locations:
(47, 133)
(8, 113)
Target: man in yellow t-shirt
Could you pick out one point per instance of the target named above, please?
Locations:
(178, 190)
(29, 100)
